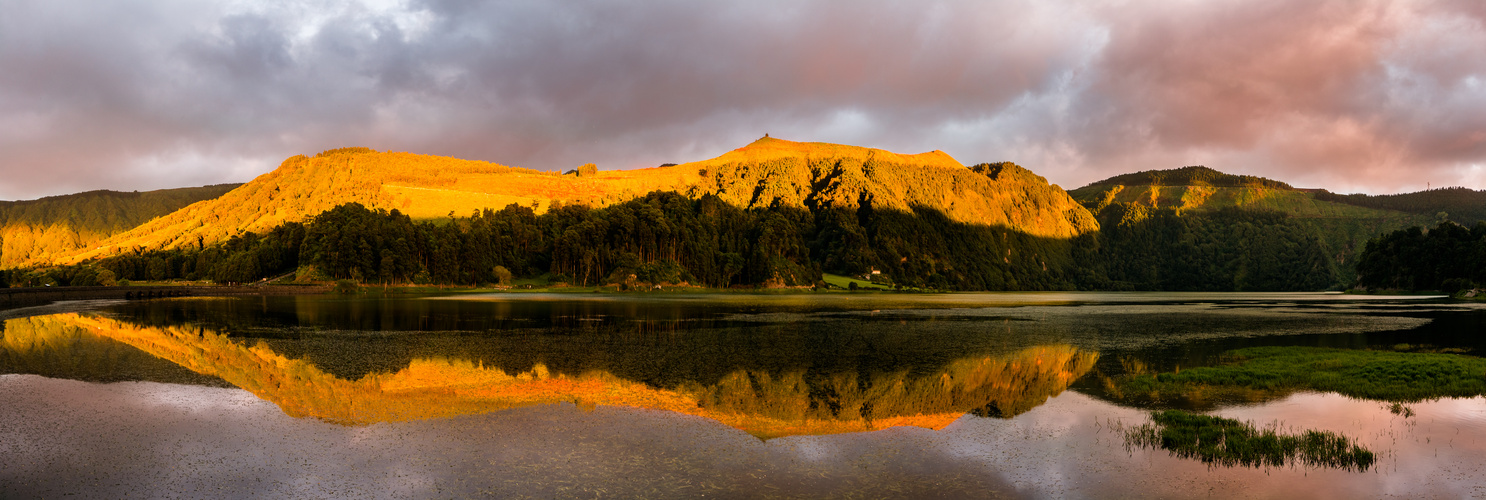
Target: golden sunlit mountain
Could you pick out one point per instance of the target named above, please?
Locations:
(767, 172)
(34, 231)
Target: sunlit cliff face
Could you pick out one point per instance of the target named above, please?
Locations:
(760, 403)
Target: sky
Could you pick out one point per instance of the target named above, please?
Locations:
(1351, 95)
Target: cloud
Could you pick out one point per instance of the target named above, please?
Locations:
(1370, 95)
(1349, 94)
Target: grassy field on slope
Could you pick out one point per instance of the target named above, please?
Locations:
(36, 230)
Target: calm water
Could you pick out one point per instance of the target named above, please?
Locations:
(736, 395)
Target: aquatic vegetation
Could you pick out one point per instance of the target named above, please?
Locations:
(1228, 442)
(1260, 373)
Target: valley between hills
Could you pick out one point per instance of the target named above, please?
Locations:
(774, 213)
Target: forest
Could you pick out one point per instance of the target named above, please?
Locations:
(667, 238)
(659, 238)
(1459, 204)
(1228, 249)
(1449, 258)
(1196, 175)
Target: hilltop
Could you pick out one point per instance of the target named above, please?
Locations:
(1196, 175)
(1215, 203)
(767, 173)
(774, 213)
(1202, 188)
(33, 231)
(825, 176)
(1462, 205)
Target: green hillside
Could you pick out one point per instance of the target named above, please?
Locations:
(34, 231)
(1340, 230)
(1462, 205)
(1196, 175)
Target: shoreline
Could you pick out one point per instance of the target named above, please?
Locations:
(18, 298)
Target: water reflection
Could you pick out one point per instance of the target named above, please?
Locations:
(44, 346)
(675, 370)
(764, 403)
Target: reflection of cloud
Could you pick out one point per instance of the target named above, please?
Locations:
(66, 437)
(1091, 459)
(1370, 94)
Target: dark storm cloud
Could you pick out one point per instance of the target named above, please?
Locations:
(149, 94)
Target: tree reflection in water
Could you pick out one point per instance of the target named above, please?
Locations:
(759, 402)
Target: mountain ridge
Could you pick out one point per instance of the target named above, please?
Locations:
(767, 172)
(31, 230)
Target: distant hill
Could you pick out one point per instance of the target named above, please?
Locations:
(1462, 205)
(1197, 175)
(1202, 188)
(1342, 228)
(768, 172)
(37, 230)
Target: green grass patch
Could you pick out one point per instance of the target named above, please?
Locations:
(844, 282)
(1255, 372)
(1228, 442)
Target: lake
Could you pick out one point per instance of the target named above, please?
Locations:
(996, 395)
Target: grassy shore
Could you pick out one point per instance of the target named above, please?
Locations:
(1257, 372)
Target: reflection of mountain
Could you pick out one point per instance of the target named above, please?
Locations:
(762, 404)
(43, 346)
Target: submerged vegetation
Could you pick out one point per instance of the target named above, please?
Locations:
(1260, 373)
(1228, 442)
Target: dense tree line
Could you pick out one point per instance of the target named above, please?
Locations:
(1457, 203)
(665, 237)
(1223, 250)
(1448, 258)
(659, 238)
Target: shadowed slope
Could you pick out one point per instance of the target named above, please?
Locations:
(768, 172)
